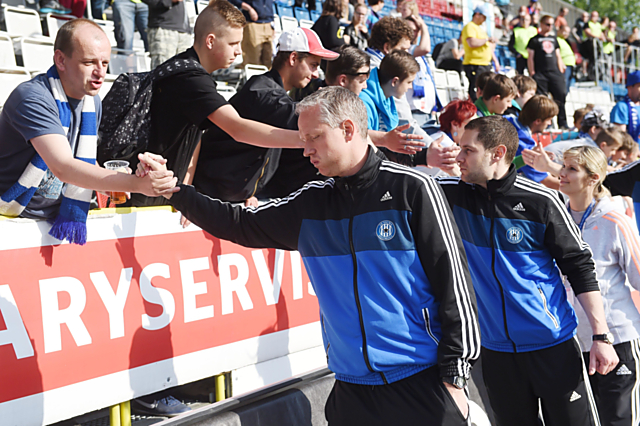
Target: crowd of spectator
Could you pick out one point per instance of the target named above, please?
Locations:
(249, 149)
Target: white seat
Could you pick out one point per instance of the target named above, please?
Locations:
(453, 79)
(54, 22)
(250, 70)
(106, 85)
(127, 61)
(190, 7)
(138, 44)
(22, 22)
(37, 53)
(443, 94)
(9, 80)
(109, 29)
(202, 5)
(7, 57)
(441, 78)
(288, 23)
(455, 93)
(277, 26)
(305, 23)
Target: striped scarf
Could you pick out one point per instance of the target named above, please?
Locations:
(70, 224)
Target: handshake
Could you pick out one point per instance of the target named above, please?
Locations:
(161, 181)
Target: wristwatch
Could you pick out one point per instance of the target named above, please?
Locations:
(606, 337)
(457, 381)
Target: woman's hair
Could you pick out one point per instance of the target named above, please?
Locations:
(332, 7)
(593, 161)
(458, 111)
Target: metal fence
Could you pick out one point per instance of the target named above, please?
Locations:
(612, 68)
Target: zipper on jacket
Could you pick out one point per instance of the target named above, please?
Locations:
(546, 308)
(365, 352)
(326, 334)
(427, 321)
(493, 269)
(255, 188)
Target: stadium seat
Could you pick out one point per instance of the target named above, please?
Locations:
(22, 22)
(37, 53)
(201, 5)
(226, 91)
(14, 3)
(301, 13)
(9, 79)
(250, 70)
(109, 28)
(192, 13)
(127, 61)
(315, 15)
(7, 57)
(289, 23)
(285, 11)
(54, 22)
(440, 77)
(305, 23)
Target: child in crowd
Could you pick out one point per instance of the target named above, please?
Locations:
(497, 95)
(526, 90)
(535, 117)
(625, 153)
(578, 115)
(392, 79)
(482, 80)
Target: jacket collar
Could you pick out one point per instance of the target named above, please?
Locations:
(275, 76)
(365, 176)
(500, 187)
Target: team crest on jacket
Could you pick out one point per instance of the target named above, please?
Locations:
(515, 234)
(386, 230)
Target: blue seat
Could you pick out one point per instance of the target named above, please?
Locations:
(275, 9)
(302, 13)
(285, 11)
(315, 15)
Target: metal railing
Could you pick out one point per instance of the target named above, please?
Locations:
(612, 68)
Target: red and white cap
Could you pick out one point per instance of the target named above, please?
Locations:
(304, 40)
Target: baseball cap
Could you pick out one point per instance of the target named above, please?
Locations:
(482, 9)
(304, 40)
(595, 118)
(633, 78)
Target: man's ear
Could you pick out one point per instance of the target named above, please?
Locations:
(495, 98)
(386, 48)
(293, 57)
(210, 40)
(395, 81)
(499, 153)
(343, 80)
(59, 59)
(349, 129)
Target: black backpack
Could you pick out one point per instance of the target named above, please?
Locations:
(125, 127)
(436, 51)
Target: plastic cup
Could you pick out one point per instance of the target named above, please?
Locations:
(121, 167)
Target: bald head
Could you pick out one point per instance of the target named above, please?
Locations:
(217, 18)
(69, 33)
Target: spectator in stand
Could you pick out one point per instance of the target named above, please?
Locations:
(526, 90)
(257, 39)
(623, 154)
(592, 31)
(632, 41)
(422, 97)
(129, 16)
(625, 115)
(578, 116)
(482, 80)
(579, 26)
(357, 30)
(497, 95)
(375, 6)
(534, 8)
(408, 8)
(517, 21)
(237, 172)
(546, 66)
(386, 35)
(77, 7)
(610, 35)
(421, 41)
(478, 48)
(169, 31)
(48, 137)
(50, 6)
(519, 40)
(347, 12)
(328, 25)
(567, 55)
(397, 71)
(561, 21)
(536, 115)
(454, 118)
(450, 56)
(615, 245)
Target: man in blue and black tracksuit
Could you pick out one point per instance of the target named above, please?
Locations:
(517, 233)
(386, 261)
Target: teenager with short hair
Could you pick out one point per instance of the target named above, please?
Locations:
(482, 80)
(518, 235)
(497, 95)
(526, 90)
(393, 79)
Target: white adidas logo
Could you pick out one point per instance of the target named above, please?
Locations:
(575, 396)
(386, 197)
(623, 371)
(519, 207)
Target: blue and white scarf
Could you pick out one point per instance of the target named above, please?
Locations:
(424, 77)
(633, 128)
(70, 224)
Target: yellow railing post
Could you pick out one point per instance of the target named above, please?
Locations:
(125, 413)
(114, 415)
(220, 388)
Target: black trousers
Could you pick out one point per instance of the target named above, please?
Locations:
(554, 378)
(420, 400)
(451, 65)
(521, 65)
(617, 393)
(553, 81)
(472, 72)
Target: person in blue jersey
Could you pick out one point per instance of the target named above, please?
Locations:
(520, 239)
(625, 115)
(397, 308)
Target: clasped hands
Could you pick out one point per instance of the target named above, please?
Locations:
(162, 181)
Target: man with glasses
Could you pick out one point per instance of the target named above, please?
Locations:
(546, 66)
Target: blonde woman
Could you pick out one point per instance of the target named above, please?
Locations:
(616, 253)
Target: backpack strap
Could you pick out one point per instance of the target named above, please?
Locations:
(173, 67)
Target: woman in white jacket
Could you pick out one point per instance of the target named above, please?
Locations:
(616, 252)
